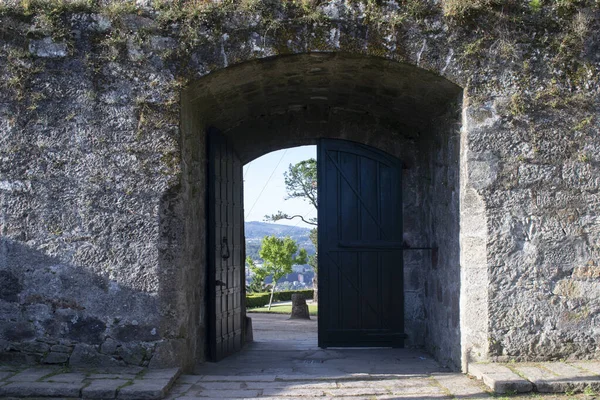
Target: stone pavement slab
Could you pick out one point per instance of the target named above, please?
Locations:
(112, 376)
(5, 374)
(225, 394)
(32, 374)
(41, 389)
(559, 378)
(144, 389)
(461, 386)
(363, 386)
(59, 382)
(189, 378)
(592, 366)
(71, 377)
(103, 388)
(543, 380)
(243, 378)
(500, 378)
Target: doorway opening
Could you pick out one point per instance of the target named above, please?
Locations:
(380, 106)
(357, 191)
(280, 213)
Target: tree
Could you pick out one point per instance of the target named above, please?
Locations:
(278, 257)
(259, 275)
(301, 182)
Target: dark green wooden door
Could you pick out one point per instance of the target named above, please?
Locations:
(225, 249)
(361, 287)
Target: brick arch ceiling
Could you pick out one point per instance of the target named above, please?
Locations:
(284, 101)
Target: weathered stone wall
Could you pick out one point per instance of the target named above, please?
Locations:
(102, 180)
(443, 277)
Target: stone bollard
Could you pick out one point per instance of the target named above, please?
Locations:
(299, 307)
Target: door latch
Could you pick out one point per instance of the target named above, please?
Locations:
(224, 248)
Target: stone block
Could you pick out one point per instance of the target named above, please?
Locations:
(60, 348)
(56, 358)
(10, 286)
(103, 388)
(144, 390)
(18, 358)
(87, 356)
(34, 347)
(47, 48)
(168, 354)
(71, 377)
(500, 378)
(41, 389)
(161, 43)
(109, 346)
(132, 354)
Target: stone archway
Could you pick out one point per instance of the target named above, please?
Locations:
(411, 113)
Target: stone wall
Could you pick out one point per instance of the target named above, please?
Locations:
(102, 167)
(443, 277)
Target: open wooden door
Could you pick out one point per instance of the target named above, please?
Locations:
(225, 249)
(361, 285)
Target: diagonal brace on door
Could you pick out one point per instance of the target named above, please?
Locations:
(360, 198)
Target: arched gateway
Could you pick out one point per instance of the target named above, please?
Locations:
(386, 131)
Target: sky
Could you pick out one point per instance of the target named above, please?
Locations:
(265, 174)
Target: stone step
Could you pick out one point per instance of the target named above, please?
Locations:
(558, 377)
(545, 377)
(500, 378)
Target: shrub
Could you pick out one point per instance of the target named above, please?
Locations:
(255, 300)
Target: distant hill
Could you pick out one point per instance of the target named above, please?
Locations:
(256, 230)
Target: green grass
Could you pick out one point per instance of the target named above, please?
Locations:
(283, 309)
